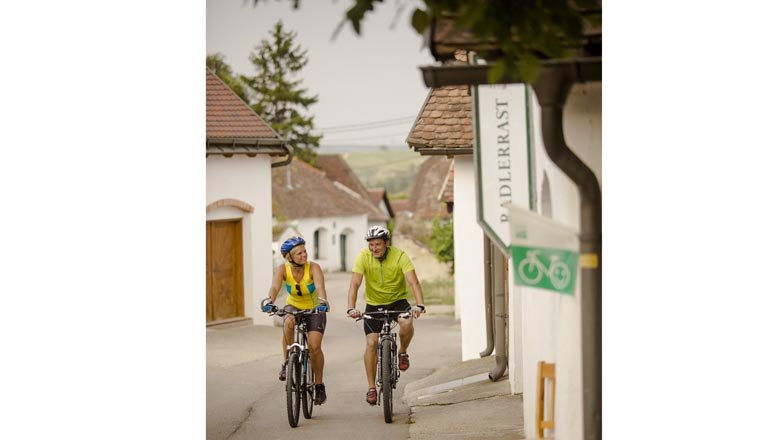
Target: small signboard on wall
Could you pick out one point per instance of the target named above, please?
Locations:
(502, 156)
(545, 253)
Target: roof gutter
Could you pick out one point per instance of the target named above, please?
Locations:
(250, 147)
(425, 150)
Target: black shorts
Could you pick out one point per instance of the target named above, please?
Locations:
(314, 323)
(375, 325)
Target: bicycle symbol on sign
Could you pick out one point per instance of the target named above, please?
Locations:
(531, 270)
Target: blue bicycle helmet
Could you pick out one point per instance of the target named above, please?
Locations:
(290, 243)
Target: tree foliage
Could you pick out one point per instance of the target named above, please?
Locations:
(216, 63)
(277, 96)
(524, 30)
(442, 242)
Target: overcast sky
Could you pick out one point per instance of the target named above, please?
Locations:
(358, 79)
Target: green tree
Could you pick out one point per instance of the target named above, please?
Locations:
(442, 242)
(525, 31)
(216, 63)
(277, 96)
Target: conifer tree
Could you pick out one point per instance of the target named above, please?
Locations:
(277, 96)
(216, 63)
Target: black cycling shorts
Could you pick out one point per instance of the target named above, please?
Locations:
(375, 325)
(314, 323)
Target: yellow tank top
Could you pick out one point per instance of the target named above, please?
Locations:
(301, 294)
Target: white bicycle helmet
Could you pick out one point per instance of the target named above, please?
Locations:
(377, 232)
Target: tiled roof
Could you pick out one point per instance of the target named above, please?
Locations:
(311, 194)
(400, 205)
(337, 169)
(379, 196)
(424, 200)
(230, 118)
(446, 192)
(444, 125)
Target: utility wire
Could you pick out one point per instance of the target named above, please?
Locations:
(367, 125)
(377, 136)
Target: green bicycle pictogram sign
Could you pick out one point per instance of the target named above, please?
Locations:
(551, 269)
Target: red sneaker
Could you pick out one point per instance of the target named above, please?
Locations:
(403, 361)
(371, 396)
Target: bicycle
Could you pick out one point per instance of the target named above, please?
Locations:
(300, 374)
(387, 372)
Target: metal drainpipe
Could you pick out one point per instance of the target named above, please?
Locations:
(488, 273)
(552, 89)
(499, 304)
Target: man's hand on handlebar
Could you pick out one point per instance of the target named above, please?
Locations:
(418, 310)
(354, 313)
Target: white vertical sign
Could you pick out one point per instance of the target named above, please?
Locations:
(501, 156)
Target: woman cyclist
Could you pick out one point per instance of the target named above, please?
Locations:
(304, 283)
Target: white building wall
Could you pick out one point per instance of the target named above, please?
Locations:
(469, 261)
(549, 328)
(330, 229)
(247, 179)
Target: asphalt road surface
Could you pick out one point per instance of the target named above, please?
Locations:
(246, 400)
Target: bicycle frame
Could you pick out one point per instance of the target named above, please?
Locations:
(386, 336)
(300, 376)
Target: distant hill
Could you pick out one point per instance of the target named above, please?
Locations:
(394, 170)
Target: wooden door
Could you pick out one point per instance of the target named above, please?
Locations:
(224, 270)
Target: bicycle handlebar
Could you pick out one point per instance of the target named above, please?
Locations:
(385, 314)
(282, 312)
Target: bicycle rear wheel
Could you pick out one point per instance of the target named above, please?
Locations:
(293, 389)
(387, 384)
(307, 387)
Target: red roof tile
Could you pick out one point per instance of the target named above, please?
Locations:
(444, 124)
(228, 117)
(309, 194)
(424, 200)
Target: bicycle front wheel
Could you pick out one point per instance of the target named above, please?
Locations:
(387, 384)
(293, 389)
(307, 387)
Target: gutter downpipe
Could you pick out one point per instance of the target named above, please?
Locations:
(488, 273)
(499, 305)
(287, 160)
(552, 89)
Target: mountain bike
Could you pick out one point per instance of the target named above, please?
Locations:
(387, 372)
(300, 374)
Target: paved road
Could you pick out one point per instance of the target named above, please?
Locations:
(245, 400)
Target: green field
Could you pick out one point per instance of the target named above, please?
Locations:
(393, 170)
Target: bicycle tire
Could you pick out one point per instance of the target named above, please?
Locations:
(307, 387)
(293, 389)
(387, 384)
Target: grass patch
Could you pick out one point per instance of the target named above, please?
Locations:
(435, 292)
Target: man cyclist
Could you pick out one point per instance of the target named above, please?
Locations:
(386, 269)
(304, 282)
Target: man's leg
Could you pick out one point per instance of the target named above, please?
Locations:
(406, 332)
(369, 358)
